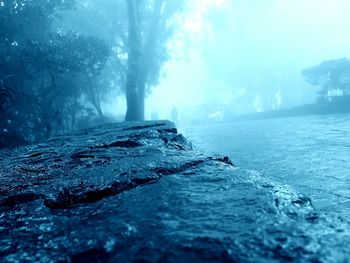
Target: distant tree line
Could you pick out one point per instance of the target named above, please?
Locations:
(332, 76)
(54, 75)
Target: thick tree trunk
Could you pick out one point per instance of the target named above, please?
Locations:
(134, 96)
(147, 58)
(138, 62)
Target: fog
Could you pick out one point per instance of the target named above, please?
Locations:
(248, 55)
(74, 64)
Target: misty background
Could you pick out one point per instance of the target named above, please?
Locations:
(65, 63)
(248, 55)
(245, 56)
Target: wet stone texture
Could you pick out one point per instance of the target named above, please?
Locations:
(139, 192)
(91, 165)
(41, 184)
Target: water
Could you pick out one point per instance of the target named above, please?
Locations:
(311, 154)
(307, 156)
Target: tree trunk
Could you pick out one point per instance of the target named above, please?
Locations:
(138, 62)
(134, 96)
(94, 96)
(147, 58)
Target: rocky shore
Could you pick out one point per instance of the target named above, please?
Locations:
(52, 193)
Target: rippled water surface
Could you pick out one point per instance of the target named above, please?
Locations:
(305, 158)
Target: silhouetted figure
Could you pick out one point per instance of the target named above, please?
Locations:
(174, 114)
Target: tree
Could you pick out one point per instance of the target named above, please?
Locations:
(331, 75)
(134, 90)
(148, 33)
(125, 25)
(41, 67)
(53, 78)
(106, 22)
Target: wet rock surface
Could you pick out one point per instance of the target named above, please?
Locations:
(73, 171)
(91, 165)
(139, 192)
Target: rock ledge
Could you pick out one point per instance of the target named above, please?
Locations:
(75, 171)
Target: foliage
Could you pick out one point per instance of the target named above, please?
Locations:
(110, 22)
(330, 75)
(60, 58)
(41, 69)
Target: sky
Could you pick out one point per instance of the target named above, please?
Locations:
(247, 55)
